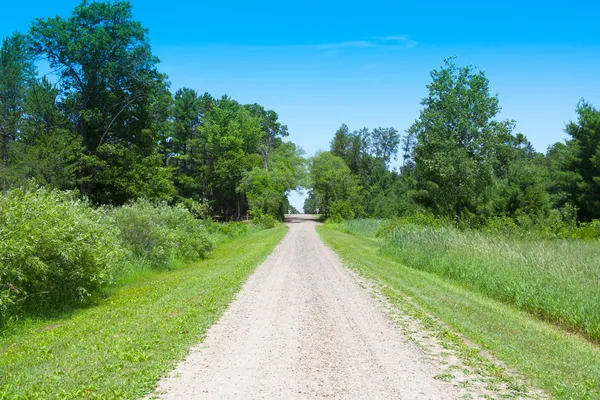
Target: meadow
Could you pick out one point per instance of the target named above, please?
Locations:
(523, 301)
(557, 280)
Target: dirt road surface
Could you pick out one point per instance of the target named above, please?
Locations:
(303, 328)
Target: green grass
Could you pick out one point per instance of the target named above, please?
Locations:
(119, 348)
(563, 364)
(557, 280)
(363, 227)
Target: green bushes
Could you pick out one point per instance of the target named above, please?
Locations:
(159, 235)
(55, 250)
(265, 221)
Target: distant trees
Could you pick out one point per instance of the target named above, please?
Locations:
(110, 127)
(459, 160)
(334, 187)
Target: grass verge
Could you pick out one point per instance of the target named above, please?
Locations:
(563, 364)
(119, 348)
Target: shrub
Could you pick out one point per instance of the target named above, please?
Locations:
(340, 210)
(265, 221)
(55, 250)
(587, 231)
(160, 235)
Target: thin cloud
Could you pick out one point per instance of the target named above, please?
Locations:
(375, 42)
(345, 45)
(405, 40)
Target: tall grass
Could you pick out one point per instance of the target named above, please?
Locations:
(557, 280)
(362, 227)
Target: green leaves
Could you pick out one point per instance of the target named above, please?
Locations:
(334, 188)
(107, 76)
(55, 250)
(455, 134)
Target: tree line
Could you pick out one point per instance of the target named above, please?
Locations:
(459, 160)
(105, 122)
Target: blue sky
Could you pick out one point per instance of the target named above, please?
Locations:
(367, 63)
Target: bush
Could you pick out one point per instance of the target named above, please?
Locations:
(340, 210)
(265, 221)
(55, 250)
(229, 230)
(587, 231)
(161, 235)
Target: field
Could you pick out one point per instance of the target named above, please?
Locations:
(120, 347)
(467, 279)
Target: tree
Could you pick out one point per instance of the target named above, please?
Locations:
(273, 130)
(334, 188)
(107, 76)
(575, 165)
(16, 76)
(384, 144)
(186, 142)
(49, 150)
(310, 204)
(342, 141)
(267, 189)
(454, 136)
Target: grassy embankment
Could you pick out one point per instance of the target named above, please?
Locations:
(494, 291)
(120, 347)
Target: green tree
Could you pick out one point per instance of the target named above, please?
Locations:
(334, 187)
(16, 76)
(107, 76)
(310, 204)
(267, 189)
(384, 144)
(49, 150)
(454, 136)
(575, 165)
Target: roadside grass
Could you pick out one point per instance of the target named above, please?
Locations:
(119, 348)
(556, 280)
(364, 227)
(563, 364)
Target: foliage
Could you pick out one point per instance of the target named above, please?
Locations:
(16, 74)
(553, 279)
(160, 235)
(107, 75)
(267, 189)
(565, 365)
(455, 134)
(120, 347)
(55, 250)
(576, 164)
(265, 221)
(334, 187)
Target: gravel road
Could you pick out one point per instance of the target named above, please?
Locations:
(302, 327)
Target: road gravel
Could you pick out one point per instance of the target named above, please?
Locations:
(301, 328)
